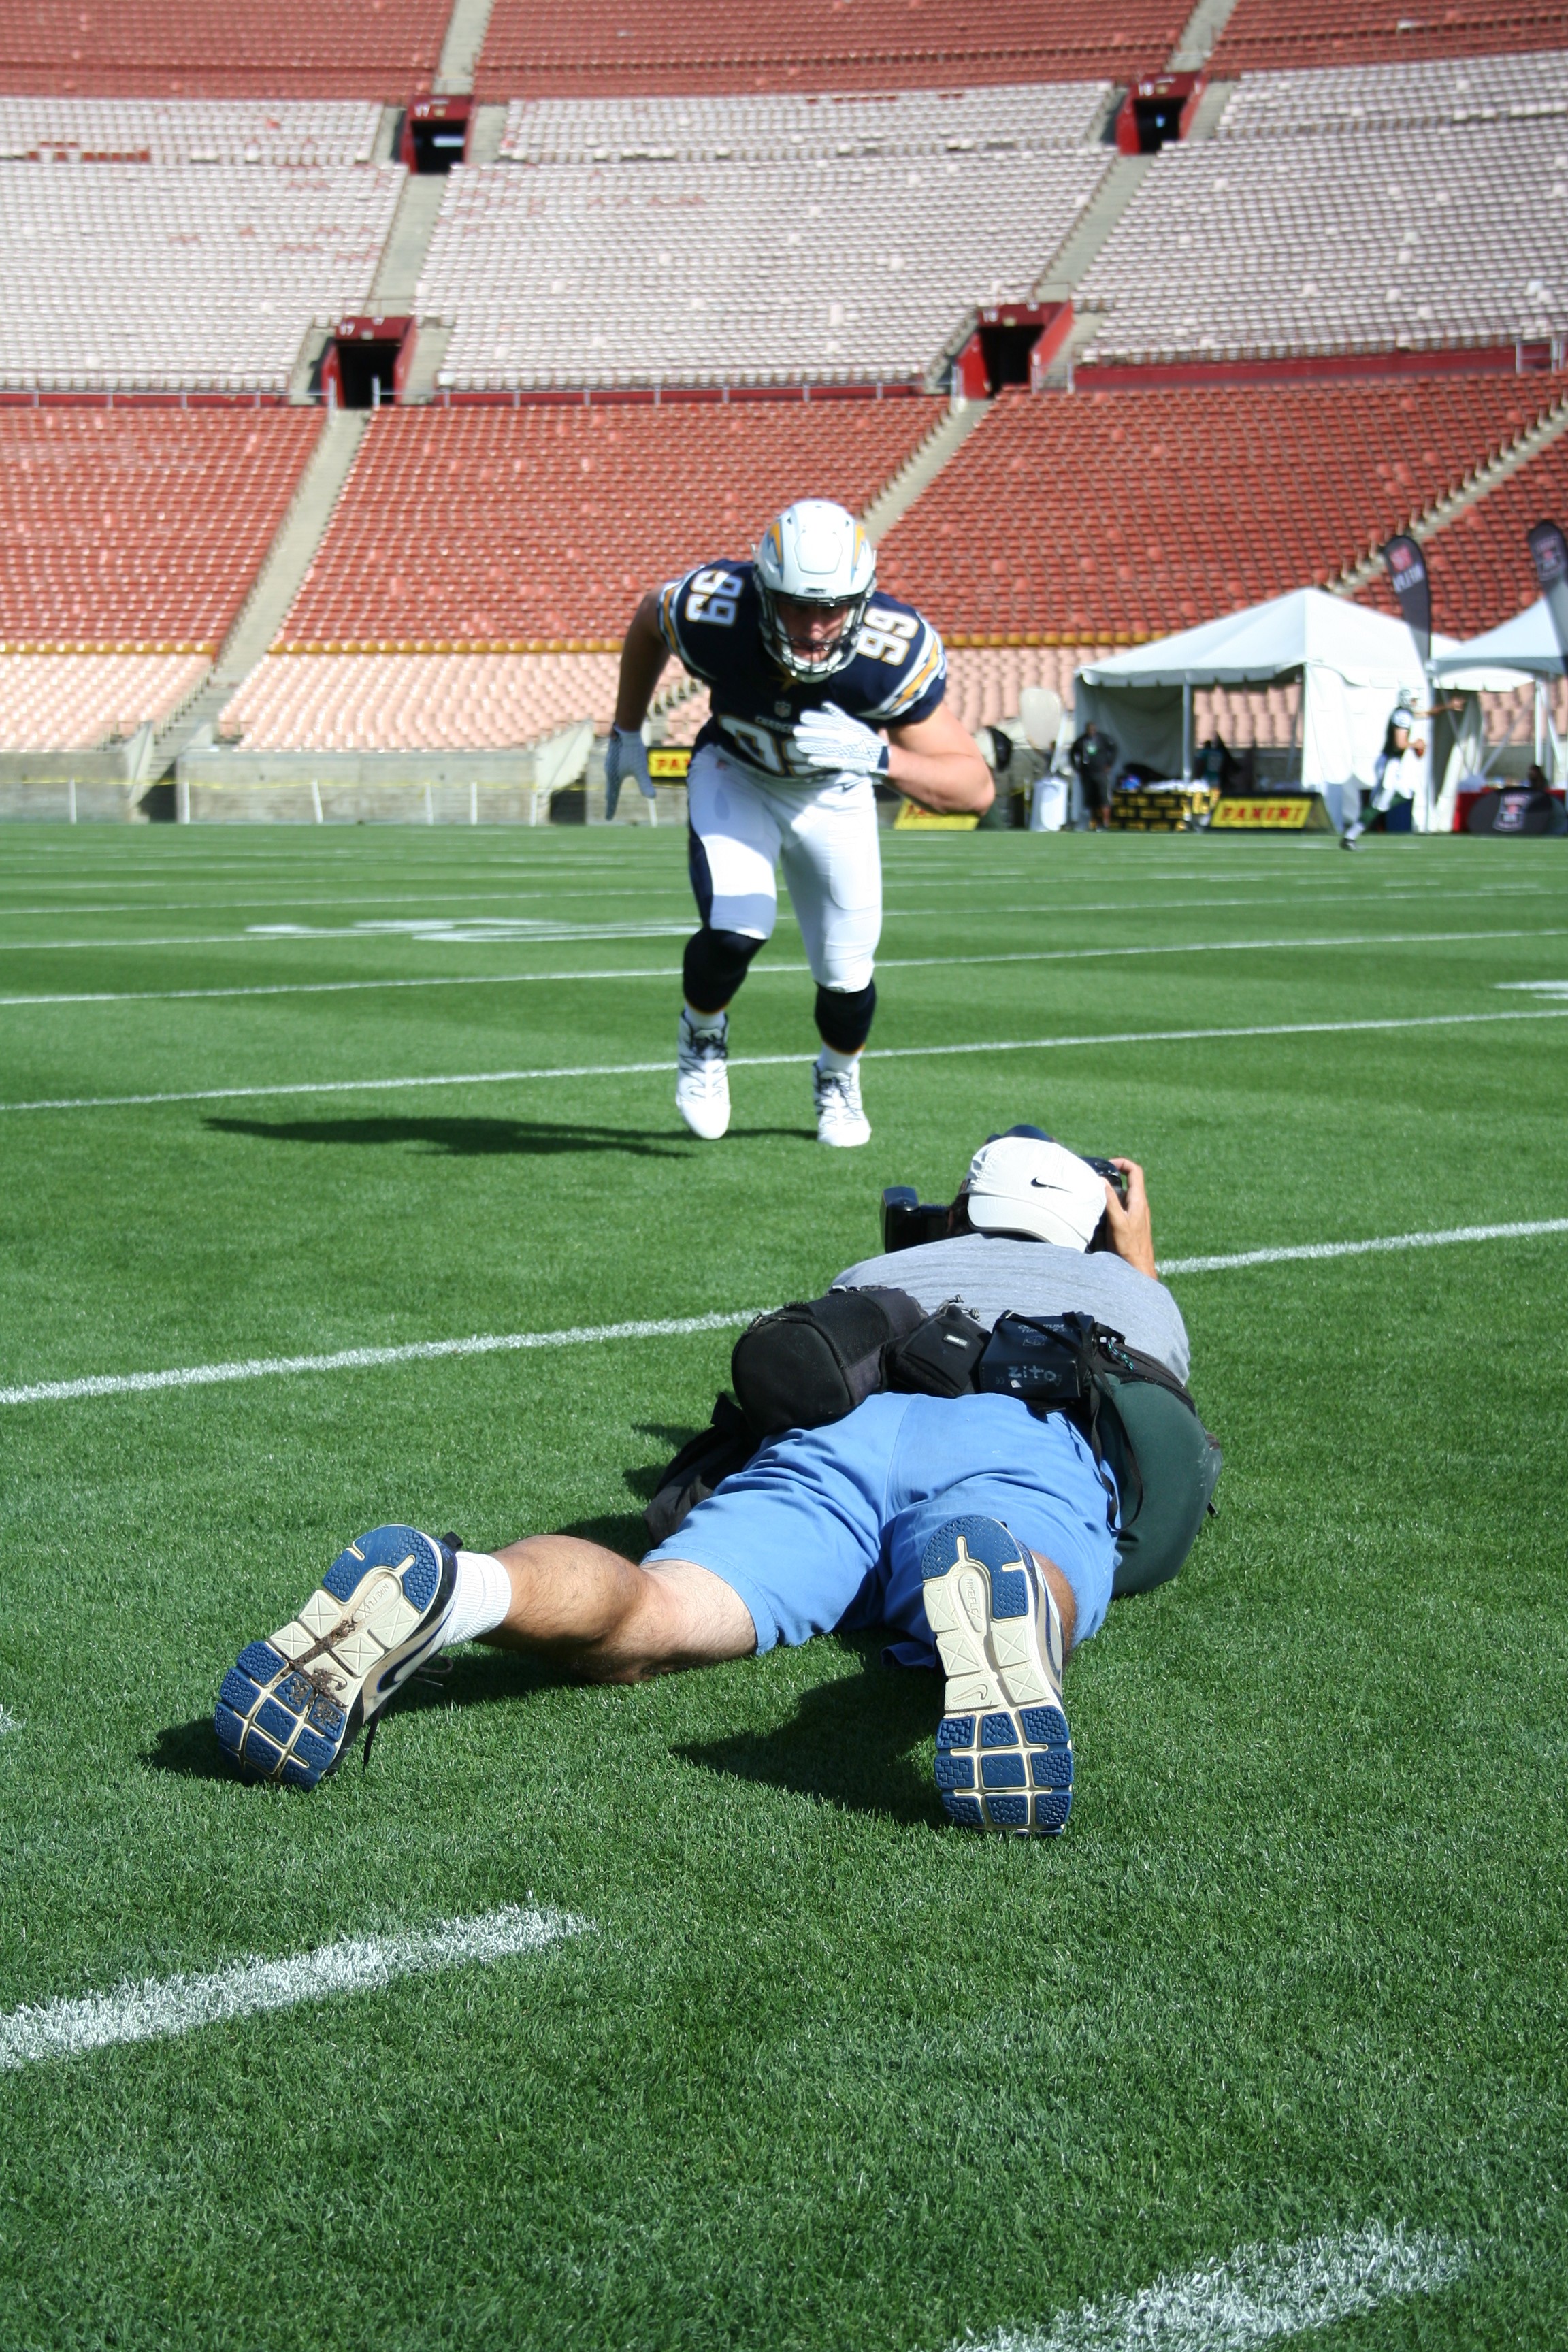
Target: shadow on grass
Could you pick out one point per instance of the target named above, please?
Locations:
(473, 1139)
(849, 1743)
(464, 1139)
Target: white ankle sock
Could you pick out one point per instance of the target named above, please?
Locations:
(831, 1059)
(705, 1024)
(482, 1597)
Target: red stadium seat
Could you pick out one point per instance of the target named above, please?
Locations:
(1114, 516)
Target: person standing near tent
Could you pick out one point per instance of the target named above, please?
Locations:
(1396, 771)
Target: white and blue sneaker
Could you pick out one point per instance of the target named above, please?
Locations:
(1004, 1754)
(290, 1706)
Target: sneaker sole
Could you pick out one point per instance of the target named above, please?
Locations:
(291, 1705)
(1004, 1754)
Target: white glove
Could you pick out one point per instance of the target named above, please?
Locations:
(829, 738)
(625, 754)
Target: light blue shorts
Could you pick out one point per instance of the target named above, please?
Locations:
(825, 1528)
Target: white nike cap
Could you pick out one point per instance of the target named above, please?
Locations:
(1020, 1184)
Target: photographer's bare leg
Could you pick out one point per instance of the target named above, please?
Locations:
(613, 1621)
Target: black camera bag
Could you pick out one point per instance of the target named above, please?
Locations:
(810, 1364)
(815, 1362)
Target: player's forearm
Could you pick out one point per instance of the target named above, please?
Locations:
(643, 657)
(949, 783)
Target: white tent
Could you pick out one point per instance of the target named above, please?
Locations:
(1354, 666)
(1522, 651)
(1528, 644)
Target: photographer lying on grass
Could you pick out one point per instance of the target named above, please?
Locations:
(918, 1450)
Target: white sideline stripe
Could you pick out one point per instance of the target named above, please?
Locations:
(774, 968)
(285, 936)
(358, 1359)
(770, 1061)
(160, 2007)
(1254, 2297)
(1305, 1251)
(365, 1360)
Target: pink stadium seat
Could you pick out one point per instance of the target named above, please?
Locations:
(474, 528)
(1262, 34)
(209, 48)
(138, 530)
(1114, 516)
(1478, 564)
(564, 49)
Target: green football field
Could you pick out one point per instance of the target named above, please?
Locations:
(736, 2045)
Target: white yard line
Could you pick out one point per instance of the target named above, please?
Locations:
(770, 1061)
(1305, 1251)
(7, 1723)
(360, 1359)
(557, 935)
(773, 967)
(1256, 2295)
(160, 2007)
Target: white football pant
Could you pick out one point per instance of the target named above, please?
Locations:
(825, 836)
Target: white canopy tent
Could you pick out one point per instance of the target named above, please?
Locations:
(1354, 666)
(1527, 644)
(1521, 652)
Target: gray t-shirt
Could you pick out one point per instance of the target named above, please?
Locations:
(998, 1274)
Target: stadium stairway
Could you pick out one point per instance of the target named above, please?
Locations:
(465, 37)
(286, 560)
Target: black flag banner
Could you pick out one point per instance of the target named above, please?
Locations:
(1408, 575)
(1550, 551)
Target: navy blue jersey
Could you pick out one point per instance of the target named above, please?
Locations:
(712, 618)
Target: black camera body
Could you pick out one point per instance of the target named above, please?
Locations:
(907, 1221)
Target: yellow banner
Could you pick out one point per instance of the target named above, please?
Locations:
(669, 767)
(1263, 816)
(911, 819)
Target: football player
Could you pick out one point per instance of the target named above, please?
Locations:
(817, 685)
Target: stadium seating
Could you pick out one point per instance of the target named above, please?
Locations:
(79, 702)
(301, 133)
(1338, 243)
(1524, 87)
(547, 523)
(477, 552)
(785, 124)
(139, 528)
(1262, 34)
(123, 275)
(1478, 564)
(566, 49)
(207, 48)
(1112, 517)
(394, 702)
(818, 272)
(129, 539)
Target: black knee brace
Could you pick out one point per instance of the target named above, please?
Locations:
(844, 1016)
(713, 966)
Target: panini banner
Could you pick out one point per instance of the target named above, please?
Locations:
(1549, 551)
(669, 767)
(1408, 575)
(1301, 813)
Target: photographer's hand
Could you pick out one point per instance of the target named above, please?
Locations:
(1132, 1228)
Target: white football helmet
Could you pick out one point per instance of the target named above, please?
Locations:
(816, 553)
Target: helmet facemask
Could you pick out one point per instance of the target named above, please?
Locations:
(824, 661)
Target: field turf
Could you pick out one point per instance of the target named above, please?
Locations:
(821, 2071)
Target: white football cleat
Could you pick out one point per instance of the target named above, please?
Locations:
(840, 1117)
(702, 1078)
